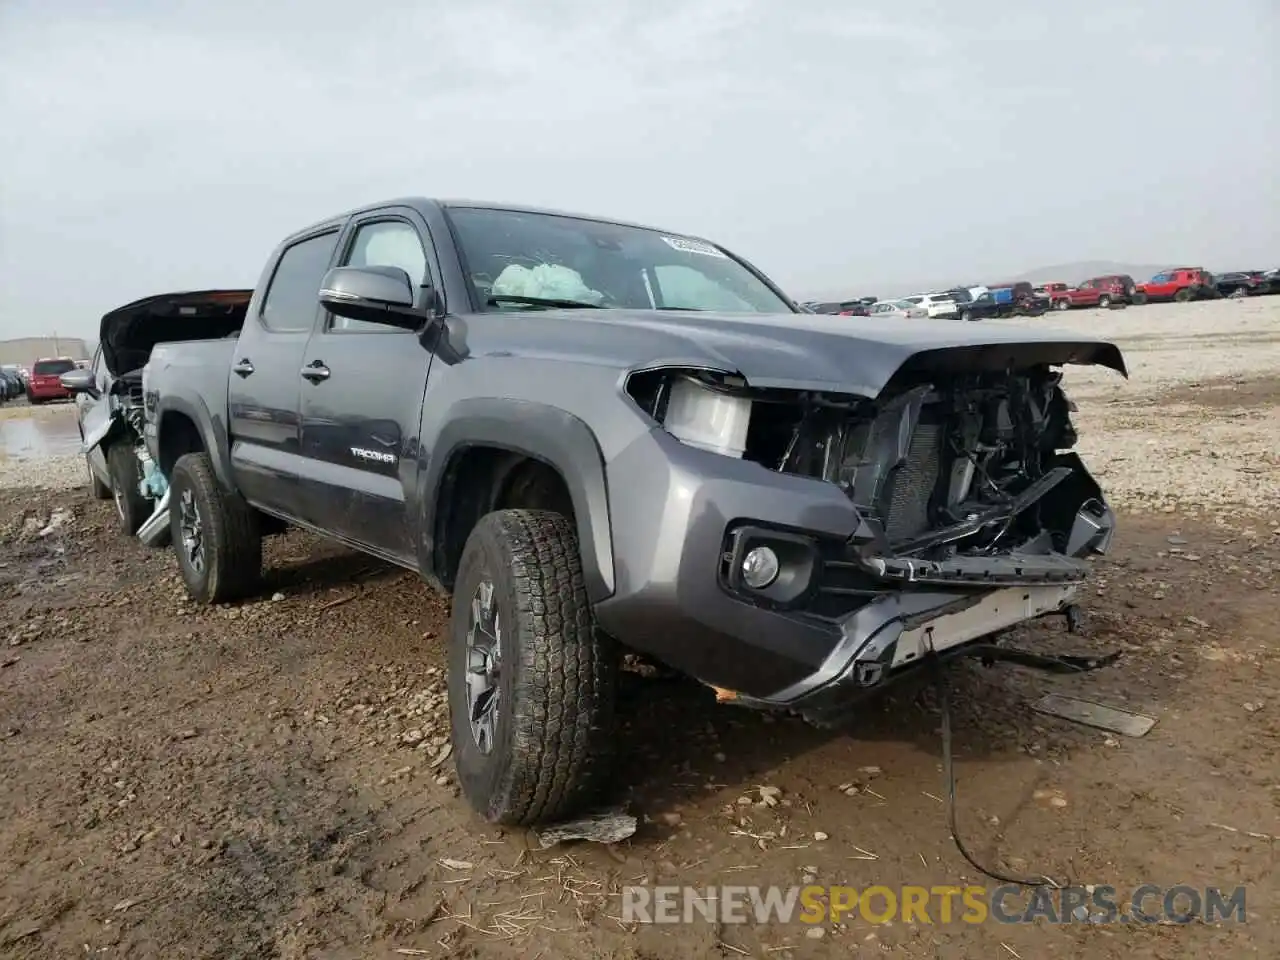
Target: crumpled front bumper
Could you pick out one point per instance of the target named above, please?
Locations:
(847, 622)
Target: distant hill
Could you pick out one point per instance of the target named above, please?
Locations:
(27, 350)
(1075, 272)
(1065, 272)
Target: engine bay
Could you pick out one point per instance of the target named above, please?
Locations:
(966, 464)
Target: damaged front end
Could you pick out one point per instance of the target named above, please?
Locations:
(125, 425)
(972, 512)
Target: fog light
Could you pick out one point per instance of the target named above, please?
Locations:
(759, 568)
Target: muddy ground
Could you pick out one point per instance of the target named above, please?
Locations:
(259, 780)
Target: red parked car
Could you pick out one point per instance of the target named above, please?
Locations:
(44, 382)
(1119, 287)
(1180, 284)
(1061, 296)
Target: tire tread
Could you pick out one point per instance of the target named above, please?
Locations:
(233, 543)
(563, 703)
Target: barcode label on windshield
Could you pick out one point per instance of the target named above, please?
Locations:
(686, 245)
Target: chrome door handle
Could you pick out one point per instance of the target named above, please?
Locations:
(243, 367)
(315, 372)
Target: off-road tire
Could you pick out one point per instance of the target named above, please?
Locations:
(229, 534)
(1104, 302)
(553, 741)
(132, 508)
(1183, 295)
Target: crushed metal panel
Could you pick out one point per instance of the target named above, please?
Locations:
(1095, 715)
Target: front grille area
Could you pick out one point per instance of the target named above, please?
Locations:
(905, 504)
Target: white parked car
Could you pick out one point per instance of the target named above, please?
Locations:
(935, 304)
(897, 310)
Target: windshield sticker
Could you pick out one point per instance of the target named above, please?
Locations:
(685, 245)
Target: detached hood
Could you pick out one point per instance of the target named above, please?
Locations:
(798, 351)
(128, 333)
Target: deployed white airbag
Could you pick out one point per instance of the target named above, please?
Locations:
(549, 281)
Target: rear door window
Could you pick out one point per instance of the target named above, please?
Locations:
(293, 295)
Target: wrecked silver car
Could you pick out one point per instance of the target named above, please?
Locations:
(109, 397)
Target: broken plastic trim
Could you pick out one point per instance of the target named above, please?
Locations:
(156, 525)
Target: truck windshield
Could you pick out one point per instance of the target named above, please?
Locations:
(516, 258)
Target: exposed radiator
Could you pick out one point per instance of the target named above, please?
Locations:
(909, 490)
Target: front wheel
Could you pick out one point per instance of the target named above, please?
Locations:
(97, 489)
(531, 681)
(1062, 305)
(1104, 302)
(132, 508)
(966, 315)
(214, 533)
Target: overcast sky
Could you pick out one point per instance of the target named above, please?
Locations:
(154, 145)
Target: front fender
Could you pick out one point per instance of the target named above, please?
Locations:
(545, 433)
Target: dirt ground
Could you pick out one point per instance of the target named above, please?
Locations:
(260, 780)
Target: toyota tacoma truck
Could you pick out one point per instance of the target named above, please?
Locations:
(598, 437)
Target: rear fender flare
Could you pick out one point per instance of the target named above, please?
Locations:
(213, 434)
(541, 432)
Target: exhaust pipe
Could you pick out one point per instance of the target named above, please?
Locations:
(156, 526)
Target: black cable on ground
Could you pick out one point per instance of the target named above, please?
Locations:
(948, 773)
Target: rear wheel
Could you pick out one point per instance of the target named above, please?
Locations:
(214, 533)
(531, 681)
(132, 508)
(1063, 304)
(1183, 295)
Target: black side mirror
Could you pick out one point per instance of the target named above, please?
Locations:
(372, 294)
(79, 381)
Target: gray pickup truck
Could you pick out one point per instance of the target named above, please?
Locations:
(598, 436)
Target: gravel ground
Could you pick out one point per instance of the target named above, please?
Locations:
(1197, 424)
(269, 779)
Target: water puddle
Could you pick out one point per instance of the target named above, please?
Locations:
(31, 438)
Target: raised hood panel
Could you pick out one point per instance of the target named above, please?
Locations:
(127, 334)
(800, 351)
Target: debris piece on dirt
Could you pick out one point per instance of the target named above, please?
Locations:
(1097, 715)
(445, 752)
(124, 905)
(607, 826)
(10, 661)
(456, 864)
(277, 597)
(57, 520)
(770, 796)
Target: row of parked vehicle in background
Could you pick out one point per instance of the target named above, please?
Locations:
(1023, 299)
(42, 383)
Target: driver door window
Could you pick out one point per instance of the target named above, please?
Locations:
(385, 243)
